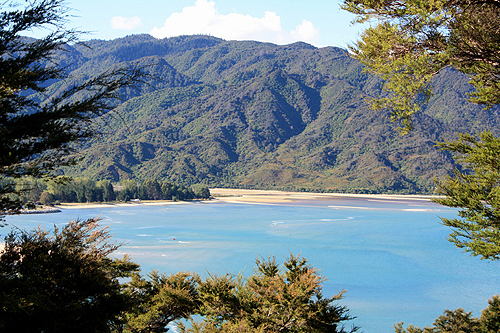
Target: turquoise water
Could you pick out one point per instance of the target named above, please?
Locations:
(391, 256)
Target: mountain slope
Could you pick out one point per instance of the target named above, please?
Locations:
(259, 115)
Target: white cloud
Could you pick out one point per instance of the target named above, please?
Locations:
(125, 23)
(306, 31)
(203, 18)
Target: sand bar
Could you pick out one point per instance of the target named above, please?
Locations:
(280, 197)
(260, 197)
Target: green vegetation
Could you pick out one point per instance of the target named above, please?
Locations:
(461, 321)
(32, 191)
(415, 41)
(273, 299)
(65, 282)
(246, 114)
(412, 42)
(242, 114)
(36, 133)
(476, 191)
(71, 282)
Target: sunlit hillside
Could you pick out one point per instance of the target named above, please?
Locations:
(258, 115)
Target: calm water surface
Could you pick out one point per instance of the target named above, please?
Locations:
(391, 256)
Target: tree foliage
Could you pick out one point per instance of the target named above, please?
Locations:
(159, 300)
(461, 321)
(476, 190)
(272, 299)
(32, 191)
(66, 281)
(70, 281)
(36, 134)
(414, 40)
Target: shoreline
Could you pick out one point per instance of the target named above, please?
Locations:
(79, 205)
(280, 197)
(269, 197)
(45, 210)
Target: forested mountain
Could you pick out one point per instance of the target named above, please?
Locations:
(259, 115)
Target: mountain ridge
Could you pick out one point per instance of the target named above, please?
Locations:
(258, 115)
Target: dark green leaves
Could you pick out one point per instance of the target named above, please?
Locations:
(62, 282)
(475, 190)
(273, 299)
(411, 41)
(461, 321)
(37, 134)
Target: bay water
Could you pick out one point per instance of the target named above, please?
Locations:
(391, 256)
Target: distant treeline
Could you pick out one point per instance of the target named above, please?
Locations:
(87, 190)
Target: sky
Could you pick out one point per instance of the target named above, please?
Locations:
(318, 22)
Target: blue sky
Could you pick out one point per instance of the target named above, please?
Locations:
(319, 22)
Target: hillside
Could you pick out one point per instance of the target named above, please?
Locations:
(258, 115)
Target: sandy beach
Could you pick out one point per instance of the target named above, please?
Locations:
(280, 197)
(269, 197)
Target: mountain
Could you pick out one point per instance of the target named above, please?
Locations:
(259, 115)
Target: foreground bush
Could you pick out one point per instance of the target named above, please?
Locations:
(68, 281)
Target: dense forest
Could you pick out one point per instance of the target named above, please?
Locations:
(34, 191)
(257, 115)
